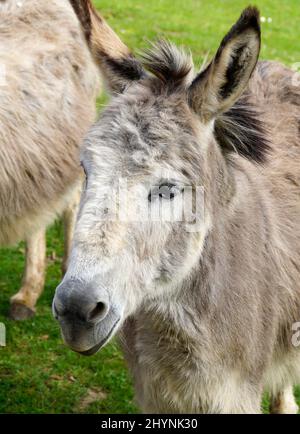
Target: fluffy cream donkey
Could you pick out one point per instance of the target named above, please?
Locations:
(48, 88)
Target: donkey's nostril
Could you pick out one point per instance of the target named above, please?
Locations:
(77, 300)
(99, 312)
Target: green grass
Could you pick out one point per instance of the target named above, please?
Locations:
(200, 25)
(37, 373)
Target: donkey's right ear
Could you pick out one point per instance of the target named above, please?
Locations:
(219, 86)
(117, 64)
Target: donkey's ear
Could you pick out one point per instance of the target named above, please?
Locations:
(117, 64)
(219, 86)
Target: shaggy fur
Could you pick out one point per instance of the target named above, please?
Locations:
(207, 314)
(47, 102)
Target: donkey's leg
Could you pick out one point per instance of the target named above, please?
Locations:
(69, 218)
(23, 303)
(284, 402)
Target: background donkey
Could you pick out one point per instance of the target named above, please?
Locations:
(47, 101)
(209, 312)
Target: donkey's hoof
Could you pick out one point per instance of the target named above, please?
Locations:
(19, 312)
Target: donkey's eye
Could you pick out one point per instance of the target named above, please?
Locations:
(166, 190)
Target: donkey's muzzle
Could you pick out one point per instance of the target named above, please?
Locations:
(85, 314)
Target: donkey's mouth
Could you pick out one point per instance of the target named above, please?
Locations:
(104, 341)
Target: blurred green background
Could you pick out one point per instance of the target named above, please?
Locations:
(38, 374)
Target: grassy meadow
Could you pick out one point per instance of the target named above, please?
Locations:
(38, 374)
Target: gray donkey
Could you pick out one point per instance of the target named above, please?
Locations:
(48, 88)
(208, 311)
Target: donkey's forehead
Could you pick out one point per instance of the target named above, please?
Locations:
(143, 128)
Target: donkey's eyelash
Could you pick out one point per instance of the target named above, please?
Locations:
(166, 190)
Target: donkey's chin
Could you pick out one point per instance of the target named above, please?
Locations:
(86, 338)
(102, 343)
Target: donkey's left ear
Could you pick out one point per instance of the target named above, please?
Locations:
(219, 86)
(118, 65)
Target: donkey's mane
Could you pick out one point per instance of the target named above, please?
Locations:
(239, 129)
(171, 65)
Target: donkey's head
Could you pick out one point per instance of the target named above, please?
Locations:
(161, 141)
